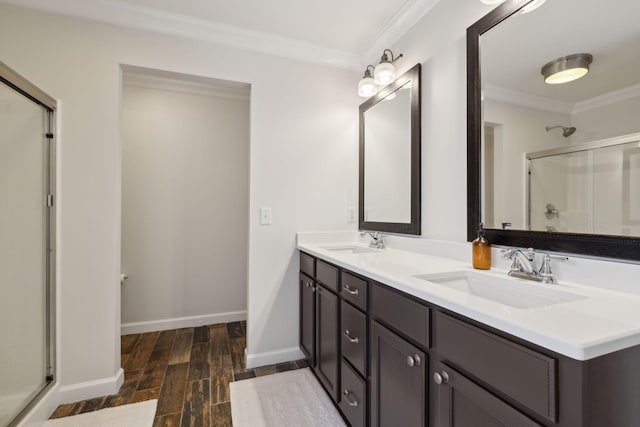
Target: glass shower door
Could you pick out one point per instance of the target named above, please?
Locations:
(24, 270)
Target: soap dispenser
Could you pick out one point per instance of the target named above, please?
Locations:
(481, 251)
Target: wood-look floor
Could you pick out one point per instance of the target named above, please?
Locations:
(187, 370)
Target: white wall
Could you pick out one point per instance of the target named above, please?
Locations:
(185, 197)
(302, 164)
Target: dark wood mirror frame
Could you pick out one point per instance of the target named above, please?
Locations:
(620, 247)
(413, 227)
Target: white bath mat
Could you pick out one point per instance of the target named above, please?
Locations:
(134, 415)
(292, 398)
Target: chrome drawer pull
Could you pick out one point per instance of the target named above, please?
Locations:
(413, 360)
(350, 290)
(353, 402)
(348, 335)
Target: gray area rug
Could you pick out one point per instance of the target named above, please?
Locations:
(292, 398)
(133, 415)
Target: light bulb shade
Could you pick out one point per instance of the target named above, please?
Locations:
(367, 87)
(385, 73)
(566, 69)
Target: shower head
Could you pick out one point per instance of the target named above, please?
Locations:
(566, 131)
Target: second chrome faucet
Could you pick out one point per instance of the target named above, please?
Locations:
(523, 265)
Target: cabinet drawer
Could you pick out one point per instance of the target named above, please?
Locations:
(407, 317)
(307, 264)
(353, 397)
(354, 337)
(354, 290)
(516, 371)
(327, 274)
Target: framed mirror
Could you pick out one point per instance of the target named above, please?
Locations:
(389, 166)
(555, 166)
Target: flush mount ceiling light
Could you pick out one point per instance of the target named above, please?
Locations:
(367, 86)
(385, 72)
(567, 68)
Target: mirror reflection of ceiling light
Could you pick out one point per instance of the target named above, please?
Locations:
(530, 7)
(566, 69)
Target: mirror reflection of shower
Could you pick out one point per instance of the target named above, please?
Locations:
(566, 131)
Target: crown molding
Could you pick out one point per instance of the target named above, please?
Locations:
(613, 97)
(184, 83)
(397, 27)
(145, 18)
(526, 100)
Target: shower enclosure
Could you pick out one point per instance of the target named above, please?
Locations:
(586, 188)
(26, 244)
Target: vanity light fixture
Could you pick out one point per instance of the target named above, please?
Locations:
(567, 68)
(385, 72)
(367, 86)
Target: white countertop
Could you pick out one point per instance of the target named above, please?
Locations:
(604, 322)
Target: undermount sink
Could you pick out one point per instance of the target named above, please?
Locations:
(351, 249)
(511, 292)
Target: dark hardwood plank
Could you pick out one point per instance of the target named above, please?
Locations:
(131, 379)
(150, 335)
(140, 353)
(221, 415)
(201, 334)
(244, 375)
(181, 352)
(219, 340)
(199, 363)
(140, 396)
(170, 420)
(237, 353)
(128, 342)
(172, 391)
(156, 368)
(197, 406)
(221, 376)
(235, 330)
(265, 370)
(89, 405)
(62, 411)
(244, 327)
(287, 366)
(166, 339)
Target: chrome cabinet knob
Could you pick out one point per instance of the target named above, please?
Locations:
(441, 377)
(413, 360)
(351, 402)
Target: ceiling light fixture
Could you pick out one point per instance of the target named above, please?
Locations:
(567, 68)
(367, 86)
(385, 72)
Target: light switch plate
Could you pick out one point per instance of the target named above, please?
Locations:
(265, 216)
(351, 214)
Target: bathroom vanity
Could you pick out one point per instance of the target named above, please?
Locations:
(396, 348)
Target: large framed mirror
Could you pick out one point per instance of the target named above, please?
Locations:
(555, 166)
(389, 185)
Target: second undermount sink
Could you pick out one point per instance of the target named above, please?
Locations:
(351, 249)
(511, 292)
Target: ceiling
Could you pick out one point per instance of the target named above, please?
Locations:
(336, 32)
(514, 51)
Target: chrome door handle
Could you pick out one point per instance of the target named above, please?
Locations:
(350, 338)
(350, 290)
(353, 402)
(413, 360)
(441, 377)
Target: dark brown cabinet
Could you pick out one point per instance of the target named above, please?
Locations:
(327, 341)
(308, 318)
(462, 403)
(398, 380)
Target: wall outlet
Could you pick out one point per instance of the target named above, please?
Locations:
(265, 216)
(351, 214)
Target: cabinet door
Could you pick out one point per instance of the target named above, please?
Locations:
(462, 403)
(308, 318)
(398, 381)
(327, 340)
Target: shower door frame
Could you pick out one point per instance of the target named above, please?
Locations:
(587, 146)
(21, 85)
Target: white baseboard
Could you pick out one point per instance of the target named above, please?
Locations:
(58, 395)
(273, 357)
(182, 322)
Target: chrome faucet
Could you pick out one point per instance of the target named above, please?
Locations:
(523, 265)
(377, 239)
